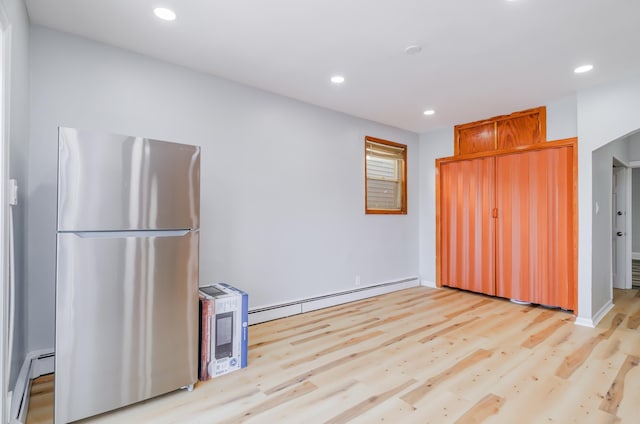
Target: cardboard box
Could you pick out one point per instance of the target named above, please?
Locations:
(224, 331)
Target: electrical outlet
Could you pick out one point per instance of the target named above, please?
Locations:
(357, 280)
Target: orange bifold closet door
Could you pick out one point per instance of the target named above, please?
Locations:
(534, 229)
(467, 196)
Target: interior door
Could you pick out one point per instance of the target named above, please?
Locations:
(534, 230)
(466, 224)
(619, 262)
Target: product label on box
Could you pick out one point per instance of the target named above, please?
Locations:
(223, 366)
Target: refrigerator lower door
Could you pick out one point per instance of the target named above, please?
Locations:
(126, 319)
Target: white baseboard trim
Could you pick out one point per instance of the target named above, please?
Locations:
(268, 313)
(429, 284)
(635, 255)
(602, 312)
(35, 364)
(593, 322)
(584, 322)
(256, 317)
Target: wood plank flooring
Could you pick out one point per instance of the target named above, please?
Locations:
(41, 400)
(420, 355)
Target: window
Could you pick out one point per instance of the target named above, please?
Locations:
(385, 176)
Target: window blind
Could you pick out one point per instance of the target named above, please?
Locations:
(384, 176)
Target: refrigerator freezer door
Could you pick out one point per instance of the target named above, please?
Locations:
(114, 183)
(127, 320)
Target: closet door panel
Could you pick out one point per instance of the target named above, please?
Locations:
(534, 255)
(516, 263)
(467, 227)
(559, 288)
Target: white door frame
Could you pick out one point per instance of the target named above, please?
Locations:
(5, 67)
(627, 196)
(632, 165)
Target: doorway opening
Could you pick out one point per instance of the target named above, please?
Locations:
(635, 218)
(621, 229)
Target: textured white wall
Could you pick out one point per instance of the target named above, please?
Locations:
(18, 91)
(282, 211)
(562, 118)
(633, 142)
(433, 145)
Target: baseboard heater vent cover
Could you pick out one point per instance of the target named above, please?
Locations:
(268, 313)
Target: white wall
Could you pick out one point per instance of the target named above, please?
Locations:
(633, 142)
(433, 145)
(605, 113)
(562, 118)
(282, 213)
(18, 91)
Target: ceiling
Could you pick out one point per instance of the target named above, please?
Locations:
(479, 58)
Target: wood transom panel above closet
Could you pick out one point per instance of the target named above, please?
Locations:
(503, 132)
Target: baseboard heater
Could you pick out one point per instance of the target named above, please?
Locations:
(268, 313)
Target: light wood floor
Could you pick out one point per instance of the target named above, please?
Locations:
(419, 356)
(41, 400)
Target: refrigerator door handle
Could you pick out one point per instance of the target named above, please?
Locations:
(123, 234)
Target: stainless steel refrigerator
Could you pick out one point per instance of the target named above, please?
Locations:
(127, 271)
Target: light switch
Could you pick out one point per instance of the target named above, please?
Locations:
(13, 192)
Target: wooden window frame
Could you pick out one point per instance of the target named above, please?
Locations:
(403, 178)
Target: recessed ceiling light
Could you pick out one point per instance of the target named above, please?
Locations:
(337, 79)
(582, 69)
(429, 112)
(165, 14)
